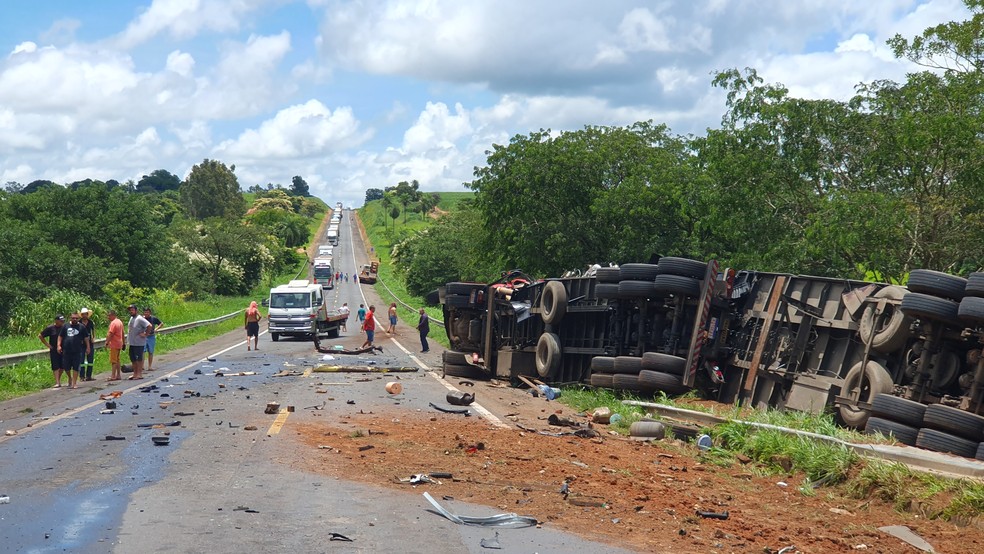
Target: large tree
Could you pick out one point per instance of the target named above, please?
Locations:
(159, 180)
(299, 187)
(212, 190)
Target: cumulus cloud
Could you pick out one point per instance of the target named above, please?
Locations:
(304, 130)
(183, 19)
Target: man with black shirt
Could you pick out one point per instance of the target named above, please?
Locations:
(74, 342)
(86, 373)
(49, 338)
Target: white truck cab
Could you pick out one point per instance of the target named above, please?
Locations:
(295, 309)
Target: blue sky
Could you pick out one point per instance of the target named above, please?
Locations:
(353, 95)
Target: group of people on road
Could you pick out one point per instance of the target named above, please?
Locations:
(71, 346)
(368, 322)
(342, 277)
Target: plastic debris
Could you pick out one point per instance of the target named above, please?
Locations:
(4, 499)
(499, 520)
(492, 543)
(704, 442)
(907, 536)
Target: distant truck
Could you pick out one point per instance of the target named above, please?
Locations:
(332, 237)
(324, 273)
(325, 251)
(368, 273)
(298, 309)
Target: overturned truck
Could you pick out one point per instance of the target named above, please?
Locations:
(900, 360)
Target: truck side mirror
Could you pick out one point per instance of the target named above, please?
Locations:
(265, 302)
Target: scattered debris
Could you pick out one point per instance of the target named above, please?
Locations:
(111, 395)
(841, 511)
(601, 415)
(114, 438)
(106, 412)
(10, 432)
(250, 428)
(110, 405)
(500, 520)
(704, 443)
(366, 447)
(184, 414)
(363, 369)
(161, 441)
(394, 387)
(492, 543)
(466, 383)
(336, 349)
(168, 424)
(558, 421)
(4, 499)
(338, 537)
(272, 408)
(287, 373)
(908, 536)
(458, 398)
(464, 411)
(246, 509)
(713, 515)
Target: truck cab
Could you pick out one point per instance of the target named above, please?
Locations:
(295, 309)
(324, 273)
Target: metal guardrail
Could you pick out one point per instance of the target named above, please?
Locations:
(404, 304)
(12, 359)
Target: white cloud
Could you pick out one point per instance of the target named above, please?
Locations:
(183, 19)
(181, 63)
(304, 130)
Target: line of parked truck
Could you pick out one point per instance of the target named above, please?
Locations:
(905, 361)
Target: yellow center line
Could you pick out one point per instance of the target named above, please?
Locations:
(279, 422)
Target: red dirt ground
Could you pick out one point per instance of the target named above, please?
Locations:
(640, 496)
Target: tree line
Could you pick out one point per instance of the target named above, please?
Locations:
(871, 187)
(103, 242)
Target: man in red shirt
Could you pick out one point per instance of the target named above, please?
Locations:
(114, 342)
(369, 326)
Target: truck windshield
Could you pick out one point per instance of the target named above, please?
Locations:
(322, 271)
(290, 300)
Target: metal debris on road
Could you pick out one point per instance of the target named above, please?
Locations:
(908, 536)
(114, 438)
(338, 537)
(492, 543)
(458, 398)
(363, 369)
(499, 520)
(713, 515)
(464, 411)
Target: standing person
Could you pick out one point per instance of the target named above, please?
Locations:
(392, 319)
(136, 338)
(369, 326)
(86, 372)
(73, 344)
(155, 326)
(114, 342)
(49, 338)
(423, 325)
(361, 314)
(252, 322)
(344, 310)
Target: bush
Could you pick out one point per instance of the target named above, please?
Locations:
(30, 317)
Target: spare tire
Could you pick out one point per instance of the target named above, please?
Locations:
(547, 354)
(901, 410)
(954, 421)
(894, 331)
(937, 283)
(553, 302)
(608, 274)
(602, 380)
(627, 365)
(651, 381)
(638, 272)
(683, 267)
(870, 380)
(902, 433)
(664, 363)
(938, 441)
(916, 304)
(602, 364)
(676, 284)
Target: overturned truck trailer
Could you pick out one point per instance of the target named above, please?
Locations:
(762, 339)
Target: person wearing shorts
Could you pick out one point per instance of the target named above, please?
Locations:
(114, 342)
(49, 338)
(74, 343)
(252, 323)
(155, 325)
(136, 338)
(392, 319)
(369, 326)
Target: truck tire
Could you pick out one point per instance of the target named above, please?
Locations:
(664, 363)
(275, 336)
(601, 380)
(647, 429)
(553, 302)
(916, 304)
(902, 433)
(980, 452)
(651, 381)
(677, 284)
(894, 331)
(547, 355)
(602, 364)
(637, 272)
(606, 290)
(454, 357)
(938, 441)
(608, 274)
(872, 379)
(627, 365)
(954, 421)
(467, 371)
(937, 283)
(463, 288)
(971, 309)
(975, 285)
(899, 410)
(683, 267)
(621, 381)
(636, 289)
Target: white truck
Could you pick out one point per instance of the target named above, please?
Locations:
(298, 309)
(332, 236)
(323, 272)
(325, 251)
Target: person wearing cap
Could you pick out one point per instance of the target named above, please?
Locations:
(49, 338)
(155, 326)
(114, 342)
(85, 374)
(74, 343)
(136, 339)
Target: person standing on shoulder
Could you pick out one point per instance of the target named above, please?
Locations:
(114, 342)
(73, 343)
(86, 372)
(49, 338)
(345, 311)
(252, 322)
(155, 326)
(136, 339)
(423, 326)
(392, 319)
(369, 326)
